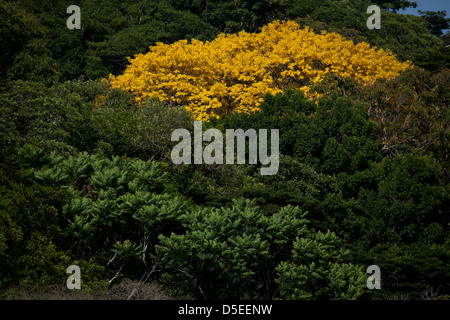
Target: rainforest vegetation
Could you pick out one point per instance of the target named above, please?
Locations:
(86, 176)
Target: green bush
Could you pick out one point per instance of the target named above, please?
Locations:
(115, 209)
(398, 200)
(337, 136)
(238, 252)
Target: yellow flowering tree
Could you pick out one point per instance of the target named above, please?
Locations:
(233, 72)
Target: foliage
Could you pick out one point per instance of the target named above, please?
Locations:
(115, 206)
(111, 31)
(317, 271)
(232, 17)
(25, 55)
(143, 131)
(86, 176)
(407, 36)
(413, 114)
(233, 72)
(295, 184)
(51, 118)
(31, 246)
(235, 251)
(129, 28)
(28, 213)
(396, 5)
(85, 115)
(437, 21)
(399, 201)
(416, 271)
(335, 136)
(411, 111)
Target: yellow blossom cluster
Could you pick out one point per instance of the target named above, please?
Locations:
(233, 72)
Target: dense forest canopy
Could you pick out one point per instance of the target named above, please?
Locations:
(86, 177)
